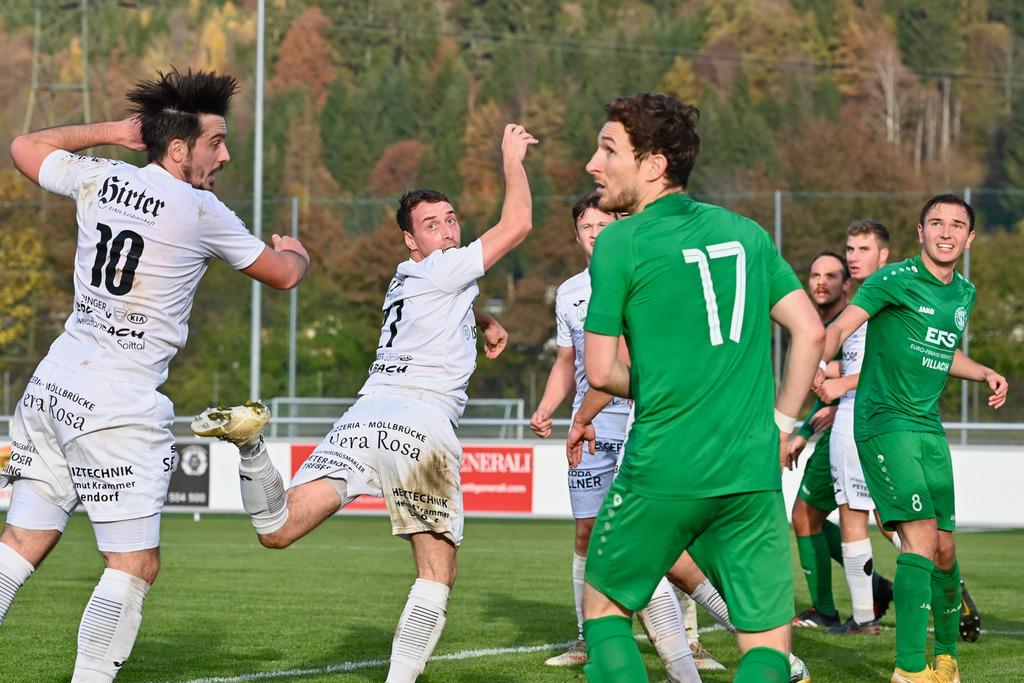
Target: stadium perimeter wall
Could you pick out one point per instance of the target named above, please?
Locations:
(528, 478)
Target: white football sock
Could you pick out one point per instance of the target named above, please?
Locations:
(858, 562)
(109, 626)
(419, 629)
(579, 568)
(262, 489)
(689, 610)
(708, 597)
(14, 572)
(663, 622)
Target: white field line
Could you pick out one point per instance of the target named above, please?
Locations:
(466, 654)
(353, 666)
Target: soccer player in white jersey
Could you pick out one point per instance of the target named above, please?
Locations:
(398, 440)
(92, 427)
(867, 248)
(590, 481)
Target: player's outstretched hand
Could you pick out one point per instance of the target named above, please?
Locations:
(578, 434)
(515, 142)
(541, 423)
(794, 447)
(997, 383)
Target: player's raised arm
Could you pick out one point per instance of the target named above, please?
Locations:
(28, 151)
(517, 210)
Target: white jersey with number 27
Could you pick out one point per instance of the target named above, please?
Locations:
(145, 239)
(427, 343)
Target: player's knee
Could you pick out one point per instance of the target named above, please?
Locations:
(275, 541)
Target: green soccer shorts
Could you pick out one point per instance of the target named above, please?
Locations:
(816, 485)
(910, 476)
(740, 541)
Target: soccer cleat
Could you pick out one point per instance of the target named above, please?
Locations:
(812, 617)
(241, 425)
(574, 656)
(852, 628)
(882, 588)
(970, 620)
(798, 670)
(901, 676)
(703, 660)
(946, 669)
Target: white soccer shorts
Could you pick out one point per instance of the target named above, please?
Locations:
(401, 449)
(84, 438)
(847, 475)
(590, 480)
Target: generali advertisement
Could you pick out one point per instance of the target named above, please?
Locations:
(494, 478)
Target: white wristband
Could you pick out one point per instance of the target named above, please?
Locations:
(784, 422)
(823, 365)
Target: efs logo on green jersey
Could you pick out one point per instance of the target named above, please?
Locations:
(940, 338)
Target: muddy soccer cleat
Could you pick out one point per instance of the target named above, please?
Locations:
(240, 425)
(798, 670)
(703, 659)
(574, 656)
(970, 620)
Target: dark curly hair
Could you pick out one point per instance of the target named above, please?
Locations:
(660, 124)
(170, 107)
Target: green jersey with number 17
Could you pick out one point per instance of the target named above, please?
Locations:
(691, 286)
(915, 327)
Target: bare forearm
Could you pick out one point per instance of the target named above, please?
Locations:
(594, 401)
(963, 367)
(517, 207)
(801, 366)
(561, 381)
(28, 151)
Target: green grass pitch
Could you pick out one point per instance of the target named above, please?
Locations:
(226, 609)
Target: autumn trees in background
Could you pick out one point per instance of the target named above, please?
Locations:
(879, 103)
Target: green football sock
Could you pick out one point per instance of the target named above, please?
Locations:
(946, 608)
(817, 566)
(834, 540)
(912, 595)
(763, 665)
(614, 656)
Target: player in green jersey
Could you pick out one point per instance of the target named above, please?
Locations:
(918, 310)
(690, 286)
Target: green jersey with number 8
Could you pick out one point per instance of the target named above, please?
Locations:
(916, 324)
